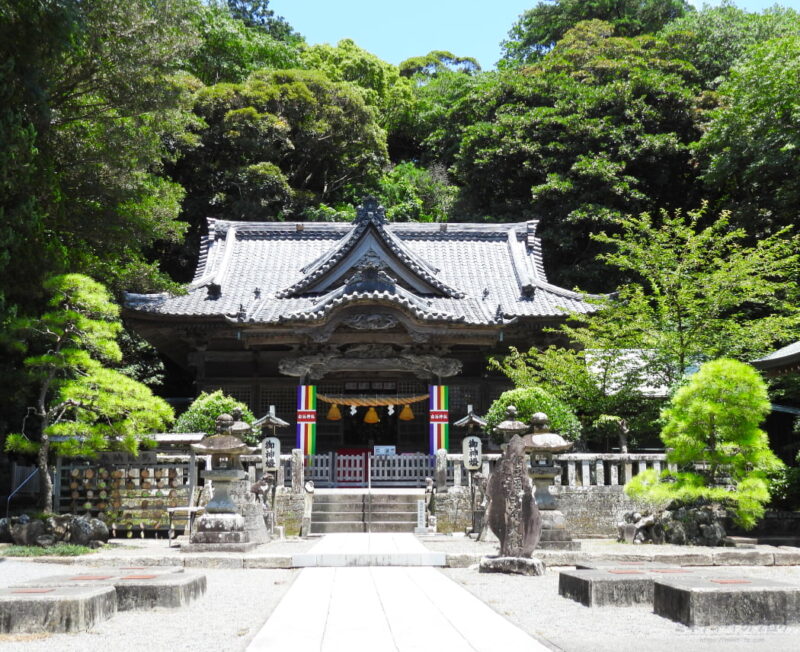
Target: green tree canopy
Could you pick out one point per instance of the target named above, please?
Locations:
(528, 401)
(598, 129)
(230, 48)
(751, 146)
(537, 30)
(78, 399)
(700, 293)
(279, 143)
(713, 421)
(204, 410)
(715, 38)
(438, 61)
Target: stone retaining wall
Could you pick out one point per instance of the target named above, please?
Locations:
(593, 511)
(590, 511)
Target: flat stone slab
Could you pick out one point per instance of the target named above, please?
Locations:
(726, 600)
(219, 547)
(135, 589)
(614, 586)
(32, 610)
(514, 565)
(604, 564)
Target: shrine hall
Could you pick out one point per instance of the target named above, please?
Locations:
(360, 334)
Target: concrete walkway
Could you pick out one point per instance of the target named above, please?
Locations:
(376, 549)
(385, 610)
(379, 609)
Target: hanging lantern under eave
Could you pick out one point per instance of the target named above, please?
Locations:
(371, 416)
(406, 414)
(334, 414)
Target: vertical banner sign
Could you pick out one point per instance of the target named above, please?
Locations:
(439, 417)
(307, 419)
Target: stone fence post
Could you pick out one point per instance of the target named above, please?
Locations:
(441, 470)
(298, 470)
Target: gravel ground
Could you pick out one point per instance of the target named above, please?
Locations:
(233, 609)
(533, 604)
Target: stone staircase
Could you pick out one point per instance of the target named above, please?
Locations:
(361, 512)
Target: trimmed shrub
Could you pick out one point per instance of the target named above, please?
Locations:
(529, 400)
(203, 412)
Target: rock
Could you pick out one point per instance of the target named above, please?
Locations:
(516, 565)
(60, 526)
(512, 513)
(7, 523)
(46, 540)
(83, 530)
(25, 534)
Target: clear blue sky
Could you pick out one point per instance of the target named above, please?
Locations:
(395, 30)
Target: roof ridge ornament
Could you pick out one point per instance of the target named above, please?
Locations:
(370, 211)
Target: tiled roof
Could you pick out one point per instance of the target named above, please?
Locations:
(260, 272)
(788, 355)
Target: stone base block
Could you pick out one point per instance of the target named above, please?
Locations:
(726, 600)
(220, 537)
(218, 547)
(32, 610)
(516, 565)
(613, 587)
(135, 588)
(559, 545)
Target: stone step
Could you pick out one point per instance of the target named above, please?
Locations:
(335, 527)
(311, 559)
(398, 499)
(407, 508)
(362, 517)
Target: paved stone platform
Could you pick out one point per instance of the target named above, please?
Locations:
(375, 549)
(726, 600)
(615, 586)
(33, 610)
(383, 610)
(135, 589)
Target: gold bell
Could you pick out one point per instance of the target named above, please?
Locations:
(334, 414)
(406, 414)
(371, 416)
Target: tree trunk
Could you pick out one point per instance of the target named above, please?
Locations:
(45, 483)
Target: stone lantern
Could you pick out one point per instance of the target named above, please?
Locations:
(542, 445)
(511, 426)
(222, 527)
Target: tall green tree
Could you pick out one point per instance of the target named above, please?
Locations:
(715, 38)
(87, 405)
(600, 128)
(93, 107)
(538, 29)
(230, 48)
(280, 143)
(700, 292)
(257, 14)
(750, 148)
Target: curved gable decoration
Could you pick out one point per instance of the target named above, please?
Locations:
(370, 244)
